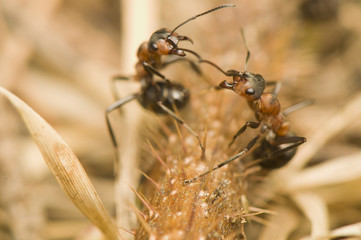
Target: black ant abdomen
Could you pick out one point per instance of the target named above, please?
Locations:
(276, 155)
(269, 160)
(171, 95)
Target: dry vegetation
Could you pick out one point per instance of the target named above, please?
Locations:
(58, 56)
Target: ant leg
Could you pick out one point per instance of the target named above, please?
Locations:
(113, 83)
(295, 141)
(271, 83)
(112, 107)
(288, 139)
(152, 70)
(280, 156)
(242, 129)
(231, 159)
(298, 106)
(277, 88)
(182, 122)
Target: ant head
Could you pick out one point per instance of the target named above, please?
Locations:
(246, 84)
(164, 42)
(253, 86)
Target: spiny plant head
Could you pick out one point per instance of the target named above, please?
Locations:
(209, 208)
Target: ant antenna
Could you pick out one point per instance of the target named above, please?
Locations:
(248, 52)
(190, 51)
(201, 14)
(152, 70)
(214, 65)
(232, 72)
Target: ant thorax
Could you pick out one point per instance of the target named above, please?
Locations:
(144, 55)
(268, 110)
(268, 104)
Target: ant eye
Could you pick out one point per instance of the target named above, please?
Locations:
(153, 47)
(250, 91)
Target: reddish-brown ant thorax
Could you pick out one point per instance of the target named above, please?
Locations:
(269, 104)
(143, 53)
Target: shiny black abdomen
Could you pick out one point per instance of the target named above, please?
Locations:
(271, 156)
(165, 92)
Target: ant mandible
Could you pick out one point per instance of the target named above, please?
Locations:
(159, 96)
(278, 144)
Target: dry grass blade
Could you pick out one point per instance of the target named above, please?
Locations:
(349, 230)
(66, 167)
(286, 220)
(316, 211)
(340, 170)
(350, 113)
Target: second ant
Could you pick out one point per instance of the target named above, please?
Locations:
(277, 144)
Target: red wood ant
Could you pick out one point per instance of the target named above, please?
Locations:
(278, 144)
(160, 97)
(165, 42)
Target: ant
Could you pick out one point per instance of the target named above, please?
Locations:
(278, 144)
(165, 42)
(160, 97)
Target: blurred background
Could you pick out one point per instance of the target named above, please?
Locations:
(59, 56)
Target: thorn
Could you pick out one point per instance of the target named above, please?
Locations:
(144, 201)
(164, 126)
(180, 136)
(262, 210)
(181, 165)
(203, 157)
(181, 121)
(159, 158)
(141, 219)
(208, 177)
(127, 230)
(150, 179)
(261, 220)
